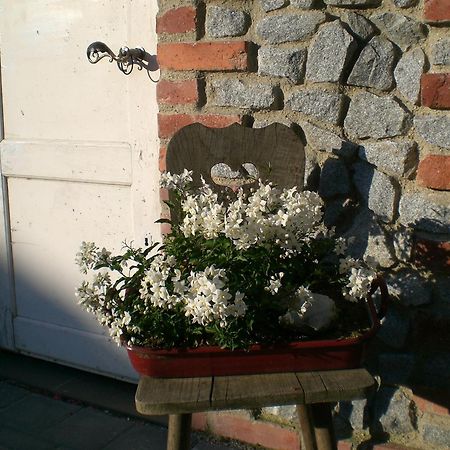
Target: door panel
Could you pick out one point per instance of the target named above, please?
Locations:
(79, 161)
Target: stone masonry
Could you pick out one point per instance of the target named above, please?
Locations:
(366, 85)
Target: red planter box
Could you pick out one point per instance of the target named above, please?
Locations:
(293, 357)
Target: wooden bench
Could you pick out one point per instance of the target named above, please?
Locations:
(278, 154)
(312, 392)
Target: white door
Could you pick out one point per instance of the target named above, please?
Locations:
(78, 162)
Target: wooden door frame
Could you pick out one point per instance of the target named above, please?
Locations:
(7, 299)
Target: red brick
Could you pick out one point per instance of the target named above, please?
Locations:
(204, 56)
(344, 445)
(432, 254)
(434, 172)
(177, 92)
(437, 10)
(179, 20)
(199, 421)
(162, 159)
(433, 402)
(266, 434)
(436, 90)
(169, 124)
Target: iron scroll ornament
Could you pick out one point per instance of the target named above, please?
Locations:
(126, 59)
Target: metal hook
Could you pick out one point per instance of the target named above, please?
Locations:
(125, 59)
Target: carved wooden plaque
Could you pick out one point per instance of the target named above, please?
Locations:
(236, 155)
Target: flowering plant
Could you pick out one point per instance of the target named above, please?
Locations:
(254, 266)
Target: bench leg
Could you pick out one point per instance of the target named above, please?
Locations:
(316, 426)
(179, 433)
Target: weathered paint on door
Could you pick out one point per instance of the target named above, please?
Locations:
(78, 161)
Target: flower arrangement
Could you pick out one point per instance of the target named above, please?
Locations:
(254, 265)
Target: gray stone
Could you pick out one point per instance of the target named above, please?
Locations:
(394, 158)
(394, 329)
(271, 5)
(434, 129)
(442, 290)
(325, 140)
(375, 65)
(289, 27)
(371, 116)
(409, 288)
(378, 249)
(356, 412)
(358, 233)
(436, 370)
(282, 62)
(288, 413)
(312, 171)
(404, 3)
(403, 244)
(329, 53)
(359, 25)
(408, 73)
(393, 408)
(334, 179)
(396, 368)
(400, 29)
(224, 22)
(425, 210)
(319, 103)
(304, 4)
(261, 122)
(377, 190)
(350, 3)
(440, 55)
(232, 92)
(436, 435)
(334, 212)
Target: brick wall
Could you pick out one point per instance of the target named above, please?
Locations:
(366, 84)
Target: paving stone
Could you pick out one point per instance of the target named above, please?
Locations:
(409, 288)
(304, 4)
(394, 329)
(329, 53)
(402, 30)
(375, 65)
(396, 368)
(351, 3)
(88, 428)
(325, 140)
(271, 5)
(10, 394)
(35, 413)
(440, 55)
(324, 105)
(436, 435)
(13, 439)
(425, 210)
(408, 73)
(289, 27)
(140, 437)
(393, 408)
(405, 3)
(232, 92)
(394, 158)
(377, 190)
(281, 62)
(371, 116)
(359, 25)
(334, 179)
(434, 129)
(225, 22)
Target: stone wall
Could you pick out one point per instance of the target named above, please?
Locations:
(366, 84)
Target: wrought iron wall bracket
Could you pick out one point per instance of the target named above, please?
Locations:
(126, 58)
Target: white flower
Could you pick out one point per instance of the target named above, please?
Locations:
(86, 258)
(274, 283)
(176, 181)
(341, 246)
